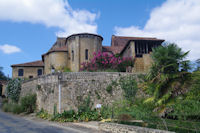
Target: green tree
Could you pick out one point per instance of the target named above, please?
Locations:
(2, 76)
(198, 65)
(167, 74)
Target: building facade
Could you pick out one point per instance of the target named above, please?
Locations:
(28, 70)
(68, 53)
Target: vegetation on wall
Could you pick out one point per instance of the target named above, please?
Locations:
(103, 61)
(13, 89)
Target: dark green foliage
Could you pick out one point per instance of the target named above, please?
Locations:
(111, 86)
(13, 89)
(43, 114)
(168, 75)
(129, 86)
(55, 109)
(28, 103)
(97, 94)
(2, 76)
(6, 107)
(85, 106)
(105, 112)
(12, 107)
(187, 107)
(17, 109)
(66, 70)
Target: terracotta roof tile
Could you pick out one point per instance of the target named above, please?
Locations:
(54, 49)
(121, 40)
(118, 43)
(38, 63)
(113, 49)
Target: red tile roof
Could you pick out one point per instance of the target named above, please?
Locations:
(121, 40)
(118, 43)
(38, 63)
(113, 49)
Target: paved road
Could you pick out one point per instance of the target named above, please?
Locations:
(14, 124)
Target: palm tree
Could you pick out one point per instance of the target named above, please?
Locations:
(169, 68)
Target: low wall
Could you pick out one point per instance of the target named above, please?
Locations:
(119, 128)
(75, 88)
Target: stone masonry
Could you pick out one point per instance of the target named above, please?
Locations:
(75, 87)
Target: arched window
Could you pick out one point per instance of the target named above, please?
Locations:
(86, 54)
(21, 72)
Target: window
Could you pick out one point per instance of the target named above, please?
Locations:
(72, 55)
(86, 54)
(39, 72)
(21, 72)
(30, 77)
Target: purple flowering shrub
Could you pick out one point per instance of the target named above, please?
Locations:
(103, 61)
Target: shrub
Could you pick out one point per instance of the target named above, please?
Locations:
(43, 114)
(124, 117)
(66, 69)
(12, 107)
(109, 89)
(129, 86)
(106, 112)
(13, 89)
(28, 103)
(6, 107)
(17, 109)
(104, 61)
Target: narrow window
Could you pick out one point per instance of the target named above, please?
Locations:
(86, 54)
(21, 72)
(39, 72)
(72, 55)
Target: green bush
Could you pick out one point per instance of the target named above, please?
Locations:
(28, 103)
(129, 86)
(43, 114)
(12, 107)
(6, 107)
(17, 109)
(13, 89)
(106, 112)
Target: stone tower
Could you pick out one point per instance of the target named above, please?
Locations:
(70, 52)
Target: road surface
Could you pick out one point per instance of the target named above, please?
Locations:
(15, 124)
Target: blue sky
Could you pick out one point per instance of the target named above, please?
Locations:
(30, 28)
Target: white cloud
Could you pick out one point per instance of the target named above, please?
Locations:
(52, 13)
(9, 49)
(176, 21)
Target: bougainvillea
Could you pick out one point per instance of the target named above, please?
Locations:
(103, 61)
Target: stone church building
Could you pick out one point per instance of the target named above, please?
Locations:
(70, 52)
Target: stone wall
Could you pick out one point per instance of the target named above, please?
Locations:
(75, 88)
(119, 128)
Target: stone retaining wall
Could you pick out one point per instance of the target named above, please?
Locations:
(119, 128)
(75, 88)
